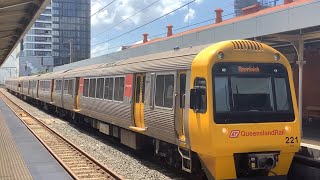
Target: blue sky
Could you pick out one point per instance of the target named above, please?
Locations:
(119, 10)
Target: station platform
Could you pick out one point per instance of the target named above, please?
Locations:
(22, 156)
(310, 143)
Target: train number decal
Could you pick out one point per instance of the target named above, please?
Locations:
(291, 140)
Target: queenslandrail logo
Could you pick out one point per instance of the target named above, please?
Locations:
(237, 133)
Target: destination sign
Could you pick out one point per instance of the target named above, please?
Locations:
(242, 69)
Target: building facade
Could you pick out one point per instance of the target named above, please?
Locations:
(61, 35)
(36, 47)
(71, 20)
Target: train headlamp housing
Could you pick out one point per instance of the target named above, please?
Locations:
(220, 55)
(263, 161)
(276, 56)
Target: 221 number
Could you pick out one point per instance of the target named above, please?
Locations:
(291, 140)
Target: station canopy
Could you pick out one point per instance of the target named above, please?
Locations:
(16, 18)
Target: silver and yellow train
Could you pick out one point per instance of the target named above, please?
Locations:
(228, 110)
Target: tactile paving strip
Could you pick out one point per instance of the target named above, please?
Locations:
(12, 165)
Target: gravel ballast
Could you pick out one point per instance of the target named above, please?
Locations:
(121, 160)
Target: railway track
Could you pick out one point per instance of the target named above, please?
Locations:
(77, 163)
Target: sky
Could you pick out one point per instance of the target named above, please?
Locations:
(113, 26)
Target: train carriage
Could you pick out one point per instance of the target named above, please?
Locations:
(228, 109)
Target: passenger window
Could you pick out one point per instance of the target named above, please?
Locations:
(92, 88)
(86, 88)
(143, 87)
(138, 83)
(164, 90)
(200, 83)
(65, 86)
(110, 93)
(100, 85)
(70, 87)
(118, 88)
(108, 88)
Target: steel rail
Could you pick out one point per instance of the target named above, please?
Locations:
(20, 112)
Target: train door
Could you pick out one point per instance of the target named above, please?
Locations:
(139, 100)
(76, 93)
(51, 90)
(181, 84)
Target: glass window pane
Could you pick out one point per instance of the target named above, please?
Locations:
(86, 88)
(65, 86)
(99, 93)
(221, 94)
(138, 83)
(106, 88)
(252, 94)
(121, 88)
(159, 90)
(116, 89)
(169, 87)
(92, 87)
(70, 87)
(110, 93)
(281, 94)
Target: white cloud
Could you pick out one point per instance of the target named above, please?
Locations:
(190, 15)
(99, 50)
(198, 1)
(122, 9)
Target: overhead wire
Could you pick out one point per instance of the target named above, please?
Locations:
(160, 34)
(132, 42)
(143, 24)
(103, 8)
(125, 19)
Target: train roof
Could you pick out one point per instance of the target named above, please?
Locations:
(165, 61)
(176, 59)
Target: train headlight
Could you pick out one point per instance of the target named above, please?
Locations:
(220, 55)
(224, 130)
(276, 56)
(287, 128)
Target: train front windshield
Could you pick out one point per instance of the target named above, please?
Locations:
(251, 93)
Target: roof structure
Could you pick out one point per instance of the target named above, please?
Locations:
(16, 18)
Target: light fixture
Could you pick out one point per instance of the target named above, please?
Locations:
(224, 131)
(276, 56)
(220, 55)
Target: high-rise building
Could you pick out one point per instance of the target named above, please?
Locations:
(61, 35)
(71, 30)
(36, 47)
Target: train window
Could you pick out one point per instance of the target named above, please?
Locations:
(281, 94)
(118, 88)
(164, 90)
(65, 86)
(86, 88)
(143, 87)
(108, 88)
(100, 85)
(70, 87)
(138, 83)
(252, 94)
(201, 83)
(58, 86)
(92, 90)
(222, 94)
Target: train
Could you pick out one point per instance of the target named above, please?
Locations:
(226, 110)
